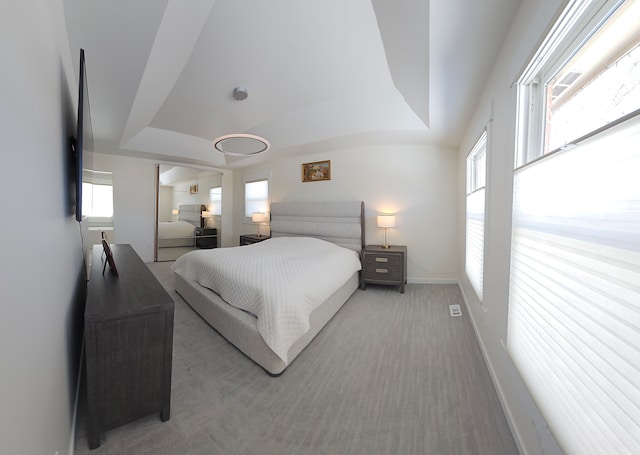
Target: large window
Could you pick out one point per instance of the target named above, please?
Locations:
(474, 249)
(574, 299)
(256, 197)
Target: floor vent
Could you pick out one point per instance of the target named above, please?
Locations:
(455, 310)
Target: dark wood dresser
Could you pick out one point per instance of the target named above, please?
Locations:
(128, 343)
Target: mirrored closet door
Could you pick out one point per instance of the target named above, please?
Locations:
(188, 210)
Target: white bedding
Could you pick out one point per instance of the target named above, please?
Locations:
(174, 229)
(280, 281)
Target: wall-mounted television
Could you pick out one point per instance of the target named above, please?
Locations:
(83, 143)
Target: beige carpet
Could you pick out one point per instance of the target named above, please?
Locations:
(390, 374)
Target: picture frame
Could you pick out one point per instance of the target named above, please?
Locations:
(193, 189)
(109, 256)
(316, 171)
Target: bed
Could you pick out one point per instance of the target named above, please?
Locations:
(310, 235)
(181, 232)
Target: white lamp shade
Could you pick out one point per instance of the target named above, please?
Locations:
(386, 221)
(174, 212)
(258, 217)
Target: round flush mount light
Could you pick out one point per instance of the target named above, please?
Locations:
(240, 144)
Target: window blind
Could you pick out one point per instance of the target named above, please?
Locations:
(574, 302)
(215, 200)
(256, 197)
(474, 249)
(476, 181)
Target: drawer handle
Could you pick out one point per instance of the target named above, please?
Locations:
(382, 259)
(382, 271)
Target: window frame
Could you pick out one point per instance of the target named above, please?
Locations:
(579, 21)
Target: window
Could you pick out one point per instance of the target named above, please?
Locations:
(574, 297)
(590, 83)
(215, 200)
(97, 190)
(256, 197)
(474, 249)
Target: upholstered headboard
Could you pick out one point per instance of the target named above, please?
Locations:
(191, 213)
(341, 223)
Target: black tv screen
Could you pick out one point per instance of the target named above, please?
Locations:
(84, 139)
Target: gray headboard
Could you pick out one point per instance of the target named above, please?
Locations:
(191, 213)
(341, 223)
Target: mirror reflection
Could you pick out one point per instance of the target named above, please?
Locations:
(189, 210)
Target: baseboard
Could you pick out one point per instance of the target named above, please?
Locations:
(494, 379)
(439, 280)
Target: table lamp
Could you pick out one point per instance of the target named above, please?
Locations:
(386, 221)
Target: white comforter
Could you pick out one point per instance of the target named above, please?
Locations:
(175, 229)
(280, 280)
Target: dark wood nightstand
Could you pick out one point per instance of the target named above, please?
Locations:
(252, 238)
(206, 237)
(385, 265)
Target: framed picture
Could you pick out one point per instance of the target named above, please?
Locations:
(109, 255)
(193, 189)
(314, 172)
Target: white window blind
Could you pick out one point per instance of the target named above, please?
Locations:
(97, 189)
(474, 247)
(256, 197)
(574, 303)
(215, 200)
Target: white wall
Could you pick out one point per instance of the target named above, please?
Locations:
(41, 266)
(490, 318)
(417, 183)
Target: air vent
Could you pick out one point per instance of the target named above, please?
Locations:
(455, 310)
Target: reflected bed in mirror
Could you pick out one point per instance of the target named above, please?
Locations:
(186, 220)
(182, 232)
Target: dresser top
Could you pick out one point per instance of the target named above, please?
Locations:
(134, 291)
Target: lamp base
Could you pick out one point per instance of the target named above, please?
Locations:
(385, 245)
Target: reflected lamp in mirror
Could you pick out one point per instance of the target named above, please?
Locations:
(174, 212)
(260, 218)
(205, 216)
(386, 221)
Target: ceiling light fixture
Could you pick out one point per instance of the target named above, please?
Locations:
(241, 144)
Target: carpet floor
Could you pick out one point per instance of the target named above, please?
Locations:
(390, 374)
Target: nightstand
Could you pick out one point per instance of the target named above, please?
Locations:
(206, 237)
(385, 265)
(252, 238)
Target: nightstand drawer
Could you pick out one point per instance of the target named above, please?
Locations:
(384, 274)
(387, 267)
(206, 237)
